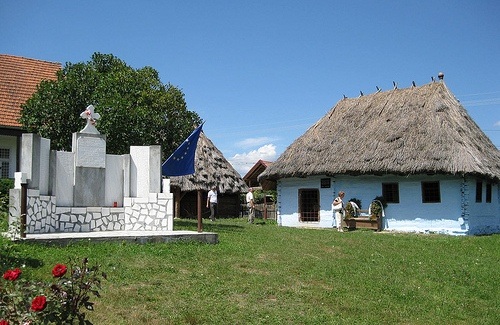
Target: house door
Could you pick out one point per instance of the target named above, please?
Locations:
(309, 205)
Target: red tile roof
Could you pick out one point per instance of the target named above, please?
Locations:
(18, 80)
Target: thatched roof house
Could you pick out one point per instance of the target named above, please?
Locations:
(211, 169)
(401, 131)
(416, 147)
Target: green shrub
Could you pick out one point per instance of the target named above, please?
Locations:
(5, 185)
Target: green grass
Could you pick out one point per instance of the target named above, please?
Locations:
(265, 274)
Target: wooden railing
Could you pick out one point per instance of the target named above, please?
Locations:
(264, 211)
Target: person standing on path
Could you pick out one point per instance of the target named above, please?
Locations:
(212, 202)
(250, 205)
(338, 208)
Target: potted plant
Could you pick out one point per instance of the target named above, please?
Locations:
(349, 212)
(376, 207)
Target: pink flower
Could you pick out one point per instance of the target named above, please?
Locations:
(12, 275)
(39, 303)
(59, 270)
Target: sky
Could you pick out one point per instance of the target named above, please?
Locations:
(261, 72)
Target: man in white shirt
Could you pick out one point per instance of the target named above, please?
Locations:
(250, 205)
(212, 202)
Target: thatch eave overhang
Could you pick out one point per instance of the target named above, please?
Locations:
(417, 130)
(275, 178)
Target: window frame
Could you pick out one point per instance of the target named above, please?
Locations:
(479, 191)
(489, 189)
(390, 192)
(4, 162)
(309, 203)
(431, 192)
(326, 183)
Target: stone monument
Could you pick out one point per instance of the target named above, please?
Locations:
(87, 190)
(89, 147)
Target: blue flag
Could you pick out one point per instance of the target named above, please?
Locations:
(181, 162)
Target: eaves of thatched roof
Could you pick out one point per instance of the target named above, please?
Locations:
(211, 169)
(417, 130)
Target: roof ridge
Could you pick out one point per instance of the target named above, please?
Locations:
(380, 91)
(26, 58)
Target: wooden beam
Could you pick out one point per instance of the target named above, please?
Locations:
(200, 220)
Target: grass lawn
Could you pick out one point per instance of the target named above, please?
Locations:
(265, 274)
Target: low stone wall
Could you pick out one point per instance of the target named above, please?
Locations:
(44, 216)
(152, 213)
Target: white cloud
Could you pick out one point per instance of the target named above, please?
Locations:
(253, 142)
(244, 161)
(497, 123)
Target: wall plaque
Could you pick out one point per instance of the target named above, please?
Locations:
(91, 152)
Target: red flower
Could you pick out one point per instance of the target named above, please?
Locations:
(3, 322)
(39, 303)
(12, 275)
(59, 270)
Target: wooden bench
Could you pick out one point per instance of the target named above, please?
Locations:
(363, 222)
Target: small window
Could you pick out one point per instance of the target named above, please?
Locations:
(390, 192)
(326, 183)
(488, 192)
(4, 162)
(479, 192)
(309, 205)
(431, 192)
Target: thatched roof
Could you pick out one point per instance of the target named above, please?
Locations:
(417, 130)
(211, 169)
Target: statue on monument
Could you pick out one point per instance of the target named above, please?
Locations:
(91, 118)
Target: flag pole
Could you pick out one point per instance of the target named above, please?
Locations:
(200, 220)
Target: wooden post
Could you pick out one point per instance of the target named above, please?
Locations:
(265, 208)
(200, 220)
(177, 202)
(24, 202)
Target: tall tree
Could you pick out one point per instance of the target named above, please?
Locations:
(135, 107)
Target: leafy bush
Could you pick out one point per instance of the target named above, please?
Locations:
(376, 207)
(4, 221)
(260, 194)
(382, 200)
(61, 302)
(349, 209)
(349, 212)
(5, 185)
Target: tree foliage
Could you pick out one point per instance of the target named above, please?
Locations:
(135, 107)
